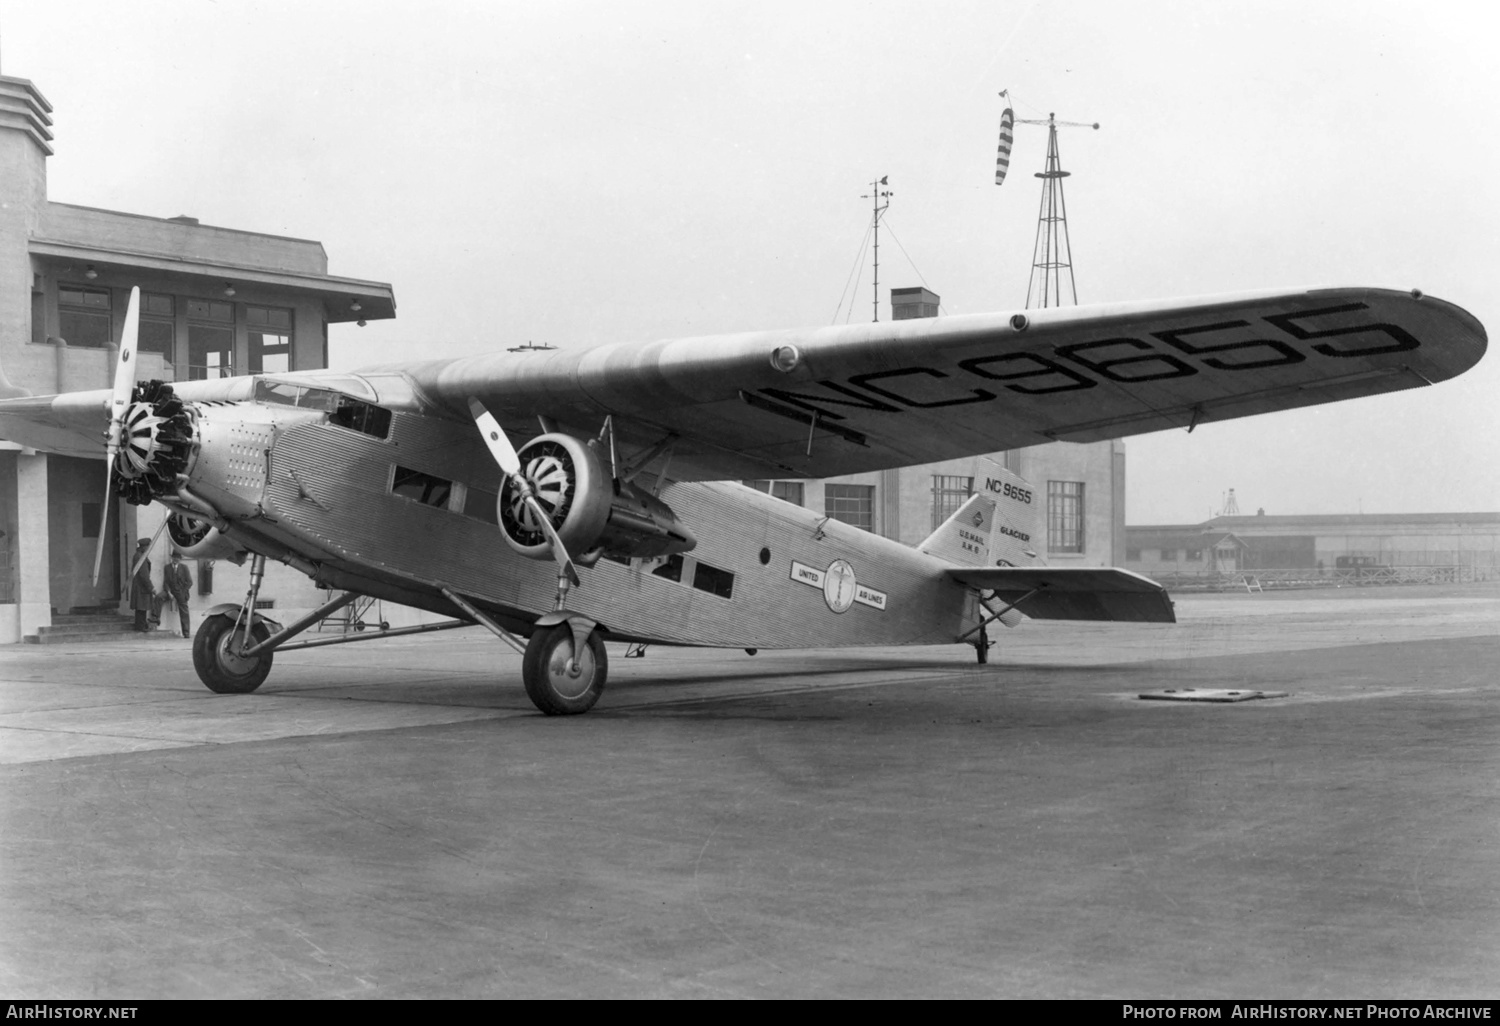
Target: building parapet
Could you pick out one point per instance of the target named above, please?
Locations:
(22, 106)
(179, 239)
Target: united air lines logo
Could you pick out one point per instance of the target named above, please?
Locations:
(978, 518)
(839, 585)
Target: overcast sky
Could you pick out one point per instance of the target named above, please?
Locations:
(578, 173)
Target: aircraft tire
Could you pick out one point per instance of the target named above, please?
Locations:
(544, 671)
(222, 672)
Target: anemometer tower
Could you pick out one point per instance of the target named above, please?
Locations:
(1052, 258)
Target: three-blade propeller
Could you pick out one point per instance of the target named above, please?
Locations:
(509, 462)
(119, 401)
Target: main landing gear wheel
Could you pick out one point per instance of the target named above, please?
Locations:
(218, 663)
(545, 671)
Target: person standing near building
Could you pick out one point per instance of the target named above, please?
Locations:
(179, 584)
(142, 591)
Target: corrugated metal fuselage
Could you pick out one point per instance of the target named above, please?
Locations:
(799, 580)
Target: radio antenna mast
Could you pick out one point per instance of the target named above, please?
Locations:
(877, 193)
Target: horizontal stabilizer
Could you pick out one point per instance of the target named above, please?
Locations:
(1073, 593)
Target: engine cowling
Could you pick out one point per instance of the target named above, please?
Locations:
(594, 514)
(199, 539)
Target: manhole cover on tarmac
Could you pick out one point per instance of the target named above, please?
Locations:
(1208, 695)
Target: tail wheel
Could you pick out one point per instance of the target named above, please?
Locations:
(551, 684)
(218, 662)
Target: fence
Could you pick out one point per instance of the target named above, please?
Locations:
(1361, 576)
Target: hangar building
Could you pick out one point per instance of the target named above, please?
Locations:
(1260, 542)
(215, 301)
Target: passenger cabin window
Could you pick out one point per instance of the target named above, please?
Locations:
(420, 487)
(713, 580)
(671, 569)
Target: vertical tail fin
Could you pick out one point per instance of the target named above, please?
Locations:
(996, 527)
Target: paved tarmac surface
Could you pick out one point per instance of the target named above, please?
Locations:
(393, 819)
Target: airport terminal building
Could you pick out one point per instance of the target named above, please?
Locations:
(215, 301)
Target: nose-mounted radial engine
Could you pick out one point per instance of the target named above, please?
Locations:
(592, 511)
(156, 444)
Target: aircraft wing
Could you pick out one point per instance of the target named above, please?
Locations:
(1073, 593)
(841, 400)
(71, 425)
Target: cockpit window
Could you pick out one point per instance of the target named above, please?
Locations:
(288, 394)
(343, 410)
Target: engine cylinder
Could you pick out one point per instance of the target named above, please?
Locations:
(156, 444)
(593, 514)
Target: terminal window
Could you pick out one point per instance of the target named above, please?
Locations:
(83, 317)
(787, 491)
(853, 504)
(270, 339)
(210, 339)
(948, 494)
(158, 331)
(1064, 516)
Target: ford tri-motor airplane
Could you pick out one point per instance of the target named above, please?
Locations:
(616, 518)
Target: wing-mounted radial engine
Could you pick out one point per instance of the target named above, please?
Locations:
(592, 511)
(156, 444)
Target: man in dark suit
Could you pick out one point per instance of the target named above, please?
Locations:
(179, 585)
(142, 591)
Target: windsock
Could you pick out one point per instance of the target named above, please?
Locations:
(1007, 134)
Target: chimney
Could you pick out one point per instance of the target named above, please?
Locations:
(917, 302)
